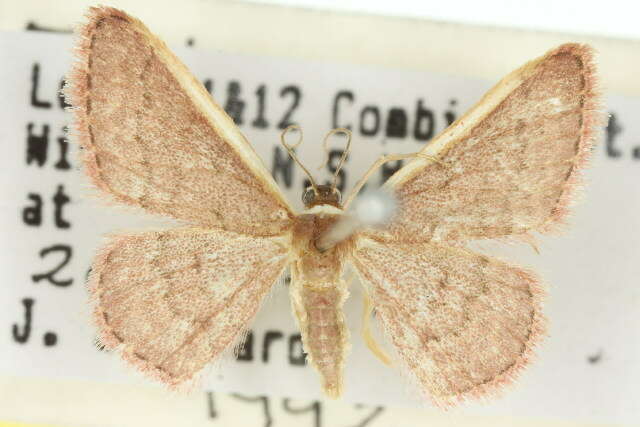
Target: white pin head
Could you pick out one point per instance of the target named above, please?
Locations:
(371, 209)
(375, 207)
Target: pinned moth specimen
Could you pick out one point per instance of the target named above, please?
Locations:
(460, 323)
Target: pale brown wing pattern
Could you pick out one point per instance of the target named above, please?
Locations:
(174, 300)
(153, 138)
(463, 324)
(510, 165)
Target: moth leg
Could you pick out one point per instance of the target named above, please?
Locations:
(366, 325)
(366, 330)
(378, 164)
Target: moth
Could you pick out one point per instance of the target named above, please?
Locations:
(460, 323)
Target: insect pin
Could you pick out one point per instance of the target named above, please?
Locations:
(460, 323)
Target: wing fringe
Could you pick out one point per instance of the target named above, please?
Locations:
(76, 93)
(593, 120)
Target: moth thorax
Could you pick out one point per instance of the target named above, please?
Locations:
(321, 195)
(309, 227)
(314, 266)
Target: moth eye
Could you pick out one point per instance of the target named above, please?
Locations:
(308, 196)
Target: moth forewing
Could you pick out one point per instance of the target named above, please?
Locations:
(491, 100)
(511, 165)
(153, 137)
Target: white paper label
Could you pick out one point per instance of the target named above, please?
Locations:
(587, 368)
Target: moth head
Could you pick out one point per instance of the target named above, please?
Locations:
(321, 195)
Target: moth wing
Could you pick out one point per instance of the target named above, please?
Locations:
(172, 301)
(152, 137)
(462, 324)
(511, 164)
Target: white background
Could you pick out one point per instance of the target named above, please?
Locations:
(614, 18)
(592, 297)
(607, 308)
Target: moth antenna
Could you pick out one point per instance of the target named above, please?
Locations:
(345, 153)
(290, 149)
(381, 161)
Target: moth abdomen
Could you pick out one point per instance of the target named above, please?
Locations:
(324, 334)
(318, 294)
